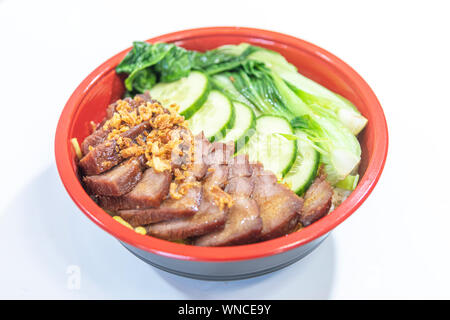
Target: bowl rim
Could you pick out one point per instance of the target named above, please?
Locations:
(233, 253)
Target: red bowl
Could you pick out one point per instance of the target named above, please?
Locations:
(104, 86)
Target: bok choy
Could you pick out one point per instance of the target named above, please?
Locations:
(319, 98)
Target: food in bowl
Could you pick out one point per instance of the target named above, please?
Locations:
(226, 147)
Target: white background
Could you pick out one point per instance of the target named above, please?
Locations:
(395, 246)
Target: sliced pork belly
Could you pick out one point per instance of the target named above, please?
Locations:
(117, 181)
(105, 155)
(133, 132)
(94, 139)
(100, 159)
(317, 201)
(170, 209)
(141, 99)
(244, 223)
(181, 154)
(100, 135)
(220, 153)
(207, 154)
(148, 193)
(201, 151)
(240, 187)
(109, 112)
(209, 217)
(278, 205)
(217, 175)
(240, 167)
(240, 181)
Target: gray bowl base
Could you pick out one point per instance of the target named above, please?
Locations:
(223, 271)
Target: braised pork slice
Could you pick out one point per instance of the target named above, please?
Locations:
(216, 176)
(181, 155)
(244, 223)
(100, 134)
(211, 214)
(105, 155)
(138, 100)
(109, 112)
(141, 98)
(201, 151)
(148, 193)
(220, 153)
(117, 181)
(135, 131)
(317, 201)
(170, 208)
(239, 166)
(100, 159)
(94, 139)
(208, 218)
(278, 205)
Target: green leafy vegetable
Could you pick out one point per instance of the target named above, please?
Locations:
(339, 149)
(255, 82)
(349, 183)
(163, 62)
(142, 56)
(175, 65)
(319, 98)
(223, 83)
(144, 80)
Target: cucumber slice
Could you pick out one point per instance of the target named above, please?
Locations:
(244, 125)
(304, 170)
(214, 117)
(268, 146)
(189, 93)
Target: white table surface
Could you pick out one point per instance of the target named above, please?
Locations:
(395, 246)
